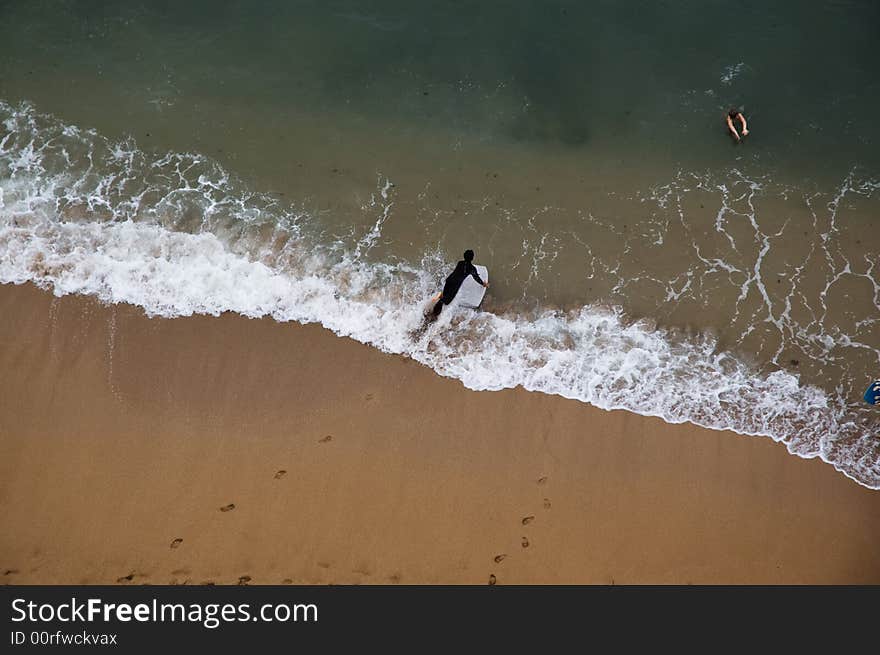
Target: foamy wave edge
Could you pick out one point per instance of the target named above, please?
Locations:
(591, 355)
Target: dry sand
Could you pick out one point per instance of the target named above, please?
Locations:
(124, 438)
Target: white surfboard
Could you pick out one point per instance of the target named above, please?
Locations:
(470, 294)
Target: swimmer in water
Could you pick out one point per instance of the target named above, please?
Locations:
(733, 115)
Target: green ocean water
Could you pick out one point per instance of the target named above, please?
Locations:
(648, 78)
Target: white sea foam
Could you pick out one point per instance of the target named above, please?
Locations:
(173, 235)
(732, 72)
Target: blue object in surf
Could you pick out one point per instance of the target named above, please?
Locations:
(872, 395)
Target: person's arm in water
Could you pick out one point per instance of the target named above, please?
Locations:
(742, 119)
(732, 128)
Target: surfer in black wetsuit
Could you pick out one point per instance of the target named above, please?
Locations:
(464, 268)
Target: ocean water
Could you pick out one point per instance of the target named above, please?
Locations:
(329, 161)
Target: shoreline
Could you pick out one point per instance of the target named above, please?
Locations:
(120, 434)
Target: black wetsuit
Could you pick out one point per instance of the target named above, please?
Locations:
(454, 281)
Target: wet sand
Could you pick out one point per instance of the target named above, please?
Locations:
(202, 449)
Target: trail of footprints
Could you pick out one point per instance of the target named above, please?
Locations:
(175, 543)
(524, 521)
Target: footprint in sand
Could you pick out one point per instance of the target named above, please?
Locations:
(369, 396)
(287, 581)
(542, 480)
(228, 508)
(176, 542)
(546, 503)
(329, 437)
(125, 578)
(525, 542)
(243, 580)
(324, 565)
(10, 572)
(492, 579)
(280, 474)
(500, 558)
(527, 519)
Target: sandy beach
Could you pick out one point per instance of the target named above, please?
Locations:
(225, 450)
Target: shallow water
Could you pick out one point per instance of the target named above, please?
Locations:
(329, 161)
